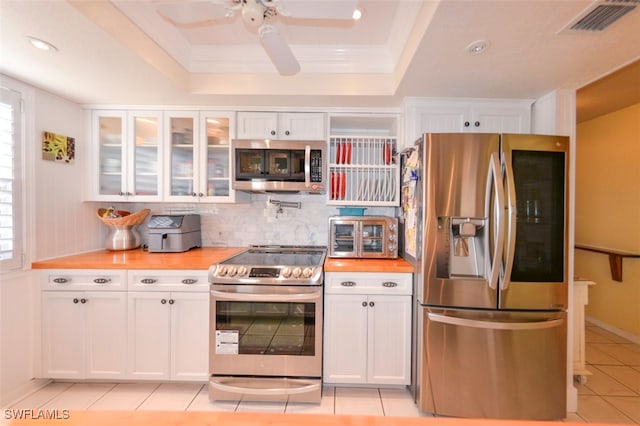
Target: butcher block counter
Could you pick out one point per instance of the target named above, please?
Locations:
(367, 265)
(200, 258)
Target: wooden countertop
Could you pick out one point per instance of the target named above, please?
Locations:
(194, 418)
(200, 258)
(367, 265)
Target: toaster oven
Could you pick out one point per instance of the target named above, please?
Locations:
(363, 237)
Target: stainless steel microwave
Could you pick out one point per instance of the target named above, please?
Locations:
(268, 165)
(363, 236)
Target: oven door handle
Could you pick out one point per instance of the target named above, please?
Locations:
(267, 297)
(265, 391)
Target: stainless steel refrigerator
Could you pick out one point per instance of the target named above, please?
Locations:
(484, 220)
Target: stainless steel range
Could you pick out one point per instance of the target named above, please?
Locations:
(266, 325)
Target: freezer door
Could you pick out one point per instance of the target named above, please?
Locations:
(509, 365)
(460, 231)
(535, 272)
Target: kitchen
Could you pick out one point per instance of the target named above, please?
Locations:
(65, 224)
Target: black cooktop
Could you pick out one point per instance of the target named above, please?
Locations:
(279, 255)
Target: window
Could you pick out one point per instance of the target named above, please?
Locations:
(11, 208)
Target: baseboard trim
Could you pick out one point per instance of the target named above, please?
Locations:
(23, 391)
(624, 334)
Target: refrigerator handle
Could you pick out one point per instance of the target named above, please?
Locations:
(494, 183)
(511, 222)
(495, 325)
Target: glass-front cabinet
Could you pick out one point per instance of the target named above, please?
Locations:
(128, 156)
(197, 156)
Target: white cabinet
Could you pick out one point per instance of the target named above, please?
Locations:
(467, 115)
(127, 156)
(84, 329)
(281, 125)
(197, 156)
(367, 328)
(363, 166)
(580, 300)
(168, 332)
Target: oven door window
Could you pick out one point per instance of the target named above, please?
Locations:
(266, 328)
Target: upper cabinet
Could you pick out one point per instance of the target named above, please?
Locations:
(281, 125)
(162, 156)
(198, 156)
(466, 115)
(128, 156)
(363, 166)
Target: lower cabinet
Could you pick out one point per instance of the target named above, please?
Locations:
(367, 328)
(168, 325)
(84, 332)
(101, 324)
(168, 335)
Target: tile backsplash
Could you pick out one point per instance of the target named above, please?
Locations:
(257, 221)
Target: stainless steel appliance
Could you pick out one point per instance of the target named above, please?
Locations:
(363, 236)
(485, 224)
(266, 325)
(278, 166)
(174, 233)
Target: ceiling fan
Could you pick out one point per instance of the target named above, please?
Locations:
(255, 13)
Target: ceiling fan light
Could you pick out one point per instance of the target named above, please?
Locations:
(253, 13)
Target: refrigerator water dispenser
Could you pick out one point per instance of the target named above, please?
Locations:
(461, 247)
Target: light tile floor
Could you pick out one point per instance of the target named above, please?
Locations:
(610, 395)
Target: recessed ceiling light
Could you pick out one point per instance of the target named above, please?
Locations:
(357, 14)
(41, 44)
(478, 47)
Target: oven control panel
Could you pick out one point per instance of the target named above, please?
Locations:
(277, 274)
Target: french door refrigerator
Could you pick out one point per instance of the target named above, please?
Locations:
(485, 224)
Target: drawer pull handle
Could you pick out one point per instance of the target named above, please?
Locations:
(148, 280)
(83, 300)
(75, 300)
(364, 304)
(389, 284)
(61, 280)
(348, 283)
(101, 280)
(163, 301)
(189, 281)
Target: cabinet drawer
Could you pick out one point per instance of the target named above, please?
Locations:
(368, 283)
(84, 279)
(170, 280)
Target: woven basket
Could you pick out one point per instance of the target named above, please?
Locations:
(130, 220)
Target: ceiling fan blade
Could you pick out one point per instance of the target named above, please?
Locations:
(313, 9)
(278, 50)
(190, 12)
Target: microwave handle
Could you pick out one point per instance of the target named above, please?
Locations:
(307, 166)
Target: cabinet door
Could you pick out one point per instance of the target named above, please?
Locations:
(389, 346)
(345, 339)
(62, 334)
(106, 334)
(441, 118)
(495, 119)
(189, 336)
(148, 339)
(257, 125)
(301, 126)
(144, 156)
(181, 165)
(110, 159)
(218, 129)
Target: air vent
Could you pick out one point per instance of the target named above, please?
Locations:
(603, 14)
